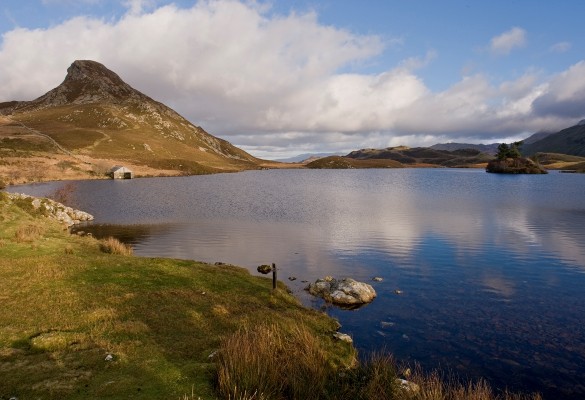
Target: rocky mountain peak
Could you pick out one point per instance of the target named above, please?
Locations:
(87, 70)
(88, 82)
(91, 82)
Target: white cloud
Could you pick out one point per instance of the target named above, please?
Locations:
(138, 6)
(507, 41)
(561, 47)
(271, 83)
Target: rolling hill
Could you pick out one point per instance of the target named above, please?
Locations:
(94, 120)
(420, 156)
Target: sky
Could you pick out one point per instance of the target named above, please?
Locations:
(280, 78)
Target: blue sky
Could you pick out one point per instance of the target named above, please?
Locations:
(285, 77)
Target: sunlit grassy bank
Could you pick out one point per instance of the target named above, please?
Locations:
(82, 318)
(67, 305)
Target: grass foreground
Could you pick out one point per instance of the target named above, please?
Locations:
(68, 303)
(82, 318)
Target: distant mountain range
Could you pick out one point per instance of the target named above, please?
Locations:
(560, 150)
(569, 141)
(94, 116)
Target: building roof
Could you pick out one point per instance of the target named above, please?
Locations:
(119, 168)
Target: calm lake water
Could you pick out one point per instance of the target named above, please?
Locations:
(491, 267)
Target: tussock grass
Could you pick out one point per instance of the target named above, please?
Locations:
(272, 362)
(28, 233)
(112, 245)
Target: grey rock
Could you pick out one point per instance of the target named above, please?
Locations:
(344, 337)
(56, 210)
(345, 291)
(407, 386)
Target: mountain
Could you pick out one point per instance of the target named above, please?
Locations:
(484, 148)
(569, 141)
(96, 118)
(535, 137)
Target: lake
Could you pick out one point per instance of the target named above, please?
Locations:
(491, 268)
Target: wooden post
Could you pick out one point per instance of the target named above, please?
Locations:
(273, 276)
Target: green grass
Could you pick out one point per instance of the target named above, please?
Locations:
(66, 305)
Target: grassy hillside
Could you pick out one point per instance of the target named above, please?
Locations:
(560, 161)
(97, 120)
(67, 305)
(337, 162)
(399, 157)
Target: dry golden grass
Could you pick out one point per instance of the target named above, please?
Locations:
(272, 362)
(28, 233)
(269, 361)
(114, 246)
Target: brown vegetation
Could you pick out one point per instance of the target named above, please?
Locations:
(114, 246)
(28, 233)
(272, 362)
(514, 166)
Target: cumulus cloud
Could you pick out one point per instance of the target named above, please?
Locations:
(275, 84)
(565, 95)
(507, 41)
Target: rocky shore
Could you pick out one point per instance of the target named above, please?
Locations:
(55, 210)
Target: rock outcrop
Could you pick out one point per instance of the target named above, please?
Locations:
(54, 210)
(515, 166)
(344, 292)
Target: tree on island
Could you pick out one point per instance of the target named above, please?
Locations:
(509, 161)
(509, 151)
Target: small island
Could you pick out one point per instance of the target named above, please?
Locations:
(509, 160)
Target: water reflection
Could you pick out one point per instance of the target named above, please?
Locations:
(490, 267)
